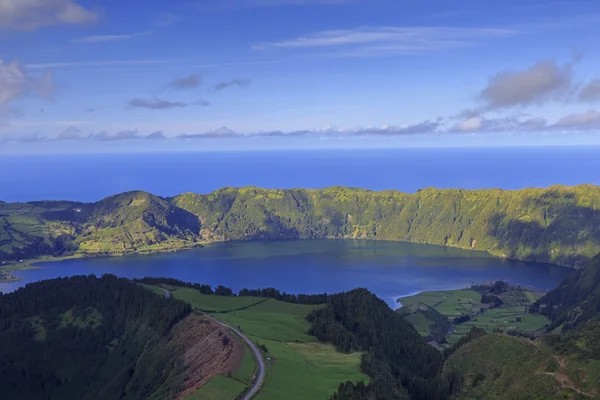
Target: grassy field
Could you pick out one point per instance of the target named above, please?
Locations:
(208, 303)
(272, 319)
(420, 322)
(218, 388)
(450, 303)
(511, 315)
(298, 367)
(306, 370)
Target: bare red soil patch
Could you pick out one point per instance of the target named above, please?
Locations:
(206, 348)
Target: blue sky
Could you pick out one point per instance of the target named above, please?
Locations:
(243, 74)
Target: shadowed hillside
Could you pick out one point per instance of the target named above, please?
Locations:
(574, 307)
(559, 225)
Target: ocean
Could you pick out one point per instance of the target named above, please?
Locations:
(92, 177)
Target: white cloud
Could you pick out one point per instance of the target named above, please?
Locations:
(16, 82)
(34, 14)
(589, 119)
(109, 38)
(514, 123)
(390, 40)
(543, 81)
(470, 124)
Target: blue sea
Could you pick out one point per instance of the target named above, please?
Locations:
(92, 177)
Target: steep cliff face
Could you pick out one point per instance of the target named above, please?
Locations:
(559, 225)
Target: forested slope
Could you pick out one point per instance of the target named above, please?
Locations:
(103, 338)
(401, 365)
(559, 225)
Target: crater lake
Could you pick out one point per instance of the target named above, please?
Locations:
(389, 269)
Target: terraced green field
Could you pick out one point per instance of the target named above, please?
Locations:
(512, 315)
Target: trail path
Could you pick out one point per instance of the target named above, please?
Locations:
(561, 377)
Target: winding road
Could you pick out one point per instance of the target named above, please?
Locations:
(260, 378)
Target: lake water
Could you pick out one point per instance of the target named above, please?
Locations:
(91, 177)
(389, 269)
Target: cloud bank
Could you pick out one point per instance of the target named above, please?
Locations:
(544, 81)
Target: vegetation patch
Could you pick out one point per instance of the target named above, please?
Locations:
(82, 319)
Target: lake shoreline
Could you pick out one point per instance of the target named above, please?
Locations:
(33, 263)
(388, 269)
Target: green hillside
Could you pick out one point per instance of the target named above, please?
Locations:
(133, 222)
(558, 225)
(504, 367)
(563, 363)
